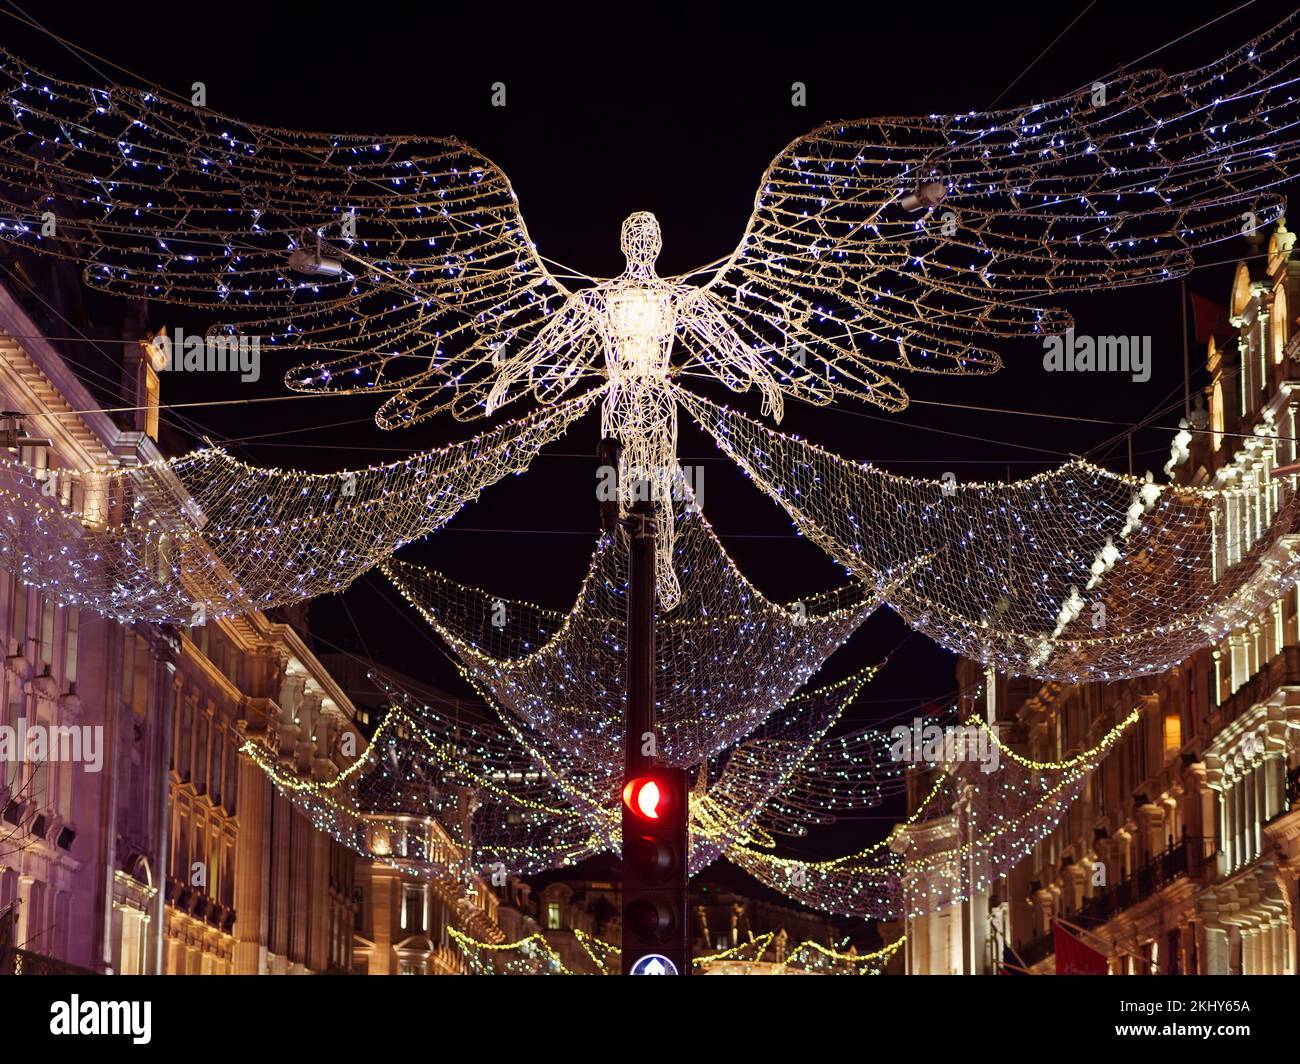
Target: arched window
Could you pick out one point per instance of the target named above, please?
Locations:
(1240, 291)
(1278, 325)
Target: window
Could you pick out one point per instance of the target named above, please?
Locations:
(135, 674)
(8, 888)
(181, 850)
(37, 787)
(61, 929)
(18, 614)
(184, 756)
(47, 632)
(37, 920)
(9, 714)
(64, 775)
(413, 902)
(232, 771)
(201, 754)
(70, 648)
(227, 895)
(552, 916)
(1173, 733)
(214, 766)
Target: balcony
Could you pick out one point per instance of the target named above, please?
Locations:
(1181, 859)
(1282, 670)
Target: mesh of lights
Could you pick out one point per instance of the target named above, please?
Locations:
(206, 535)
(1076, 574)
(727, 657)
(415, 272)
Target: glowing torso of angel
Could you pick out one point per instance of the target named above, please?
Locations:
(635, 320)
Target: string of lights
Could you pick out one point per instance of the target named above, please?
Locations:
(1074, 574)
(206, 535)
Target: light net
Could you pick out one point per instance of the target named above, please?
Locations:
(727, 657)
(1076, 574)
(204, 535)
(970, 829)
(444, 794)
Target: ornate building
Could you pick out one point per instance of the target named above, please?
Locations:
(1182, 856)
(143, 841)
(403, 917)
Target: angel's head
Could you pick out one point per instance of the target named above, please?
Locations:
(641, 242)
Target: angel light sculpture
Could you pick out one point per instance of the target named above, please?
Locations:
(874, 246)
(633, 321)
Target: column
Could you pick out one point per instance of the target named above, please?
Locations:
(251, 870)
(164, 647)
(321, 902)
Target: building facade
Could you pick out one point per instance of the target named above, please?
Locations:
(1181, 855)
(142, 840)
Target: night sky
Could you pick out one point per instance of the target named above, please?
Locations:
(616, 109)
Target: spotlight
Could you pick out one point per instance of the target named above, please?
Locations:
(315, 263)
(928, 195)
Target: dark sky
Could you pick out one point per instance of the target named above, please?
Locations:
(623, 107)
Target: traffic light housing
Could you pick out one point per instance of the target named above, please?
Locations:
(655, 918)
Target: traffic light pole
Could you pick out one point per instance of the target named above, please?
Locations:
(654, 859)
(639, 720)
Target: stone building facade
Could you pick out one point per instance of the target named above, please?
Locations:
(1182, 855)
(154, 845)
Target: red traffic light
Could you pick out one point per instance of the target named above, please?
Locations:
(647, 797)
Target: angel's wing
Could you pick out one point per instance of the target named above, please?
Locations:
(419, 270)
(910, 243)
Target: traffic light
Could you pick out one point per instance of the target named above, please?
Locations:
(655, 918)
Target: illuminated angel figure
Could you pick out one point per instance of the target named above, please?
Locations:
(634, 321)
(875, 246)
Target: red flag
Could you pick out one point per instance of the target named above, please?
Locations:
(1073, 957)
(1211, 319)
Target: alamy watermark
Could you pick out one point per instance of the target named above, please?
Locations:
(38, 743)
(116, 1018)
(1069, 353)
(677, 484)
(192, 353)
(932, 744)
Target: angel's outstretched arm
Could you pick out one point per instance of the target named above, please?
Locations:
(706, 332)
(558, 355)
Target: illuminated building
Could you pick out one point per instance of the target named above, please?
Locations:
(172, 853)
(1183, 853)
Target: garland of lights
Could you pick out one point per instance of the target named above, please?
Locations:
(968, 831)
(535, 956)
(205, 535)
(1076, 574)
(514, 803)
(509, 810)
(874, 246)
